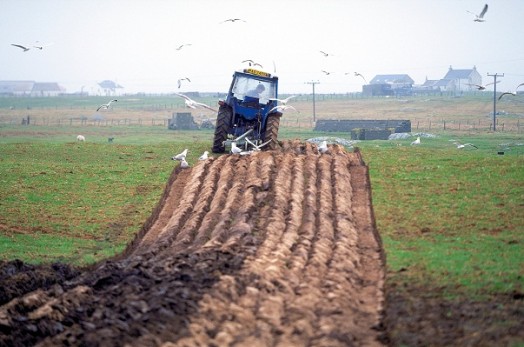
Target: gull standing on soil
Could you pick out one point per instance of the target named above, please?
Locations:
(106, 106)
(20, 46)
(235, 149)
(179, 82)
(323, 148)
(480, 17)
(180, 156)
(511, 93)
(193, 104)
(184, 164)
(282, 108)
(416, 142)
(204, 156)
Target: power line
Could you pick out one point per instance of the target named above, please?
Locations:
(495, 75)
(313, 83)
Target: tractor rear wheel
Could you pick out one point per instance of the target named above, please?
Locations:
(273, 122)
(222, 128)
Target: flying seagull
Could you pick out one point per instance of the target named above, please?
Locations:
(326, 72)
(204, 156)
(359, 74)
(20, 46)
(283, 101)
(481, 87)
(181, 46)
(252, 63)
(325, 54)
(461, 145)
(106, 106)
(193, 104)
(480, 17)
(282, 108)
(180, 156)
(179, 82)
(233, 20)
(40, 46)
(511, 93)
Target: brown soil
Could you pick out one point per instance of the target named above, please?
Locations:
(278, 248)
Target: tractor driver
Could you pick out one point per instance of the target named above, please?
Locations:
(255, 93)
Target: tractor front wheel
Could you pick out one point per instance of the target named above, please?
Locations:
(273, 122)
(222, 128)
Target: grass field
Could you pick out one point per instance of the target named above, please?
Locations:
(448, 217)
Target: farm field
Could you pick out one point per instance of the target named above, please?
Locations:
(448, 218)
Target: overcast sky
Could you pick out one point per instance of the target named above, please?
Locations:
(133, 42)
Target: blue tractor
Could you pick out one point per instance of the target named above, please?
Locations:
(249, 115)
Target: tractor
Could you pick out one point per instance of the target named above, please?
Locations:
(248, 116)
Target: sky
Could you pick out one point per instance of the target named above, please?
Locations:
(133, 42)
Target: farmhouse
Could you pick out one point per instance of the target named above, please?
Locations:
(110, 87)
(382, 85)
(30, 88)
(460, 80)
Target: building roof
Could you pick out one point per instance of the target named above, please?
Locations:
(9, 87)
(443, 82)
(454, 74)
(46, 87)
(390, 79)
(107, 84)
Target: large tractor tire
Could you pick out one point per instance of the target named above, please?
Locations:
(273, 122)
(222, 128)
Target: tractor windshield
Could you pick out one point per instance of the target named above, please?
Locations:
(254, 88)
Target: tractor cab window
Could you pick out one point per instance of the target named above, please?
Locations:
(250, 88)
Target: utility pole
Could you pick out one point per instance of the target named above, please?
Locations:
(495, 98)
(314, 111)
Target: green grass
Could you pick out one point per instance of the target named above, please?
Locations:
(448, 218)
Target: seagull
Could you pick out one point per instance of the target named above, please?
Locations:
(325, 54)
(482, 87)
(235, 149)
(182, 79)
(40, 46)
(480, 17)
(204, 156)
(326, 72)
(180, 156)
(106, 106)
(281, 108)
(511, 93)
(358, 74)
(323, 148)
(461, 146)
(182, 46)
(184, 164)
(233, 20)
(193, 104)
(416, 142)
(283, 101)
(20, 46)
(252, 63)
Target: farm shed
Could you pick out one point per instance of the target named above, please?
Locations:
(380, 128)
(395, 84)
(46, 89)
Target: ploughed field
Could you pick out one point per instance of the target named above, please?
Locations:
(277, 248)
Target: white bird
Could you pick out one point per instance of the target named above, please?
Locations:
(20, 46)
(235, 149)
(461, 146)
(358, 74)
(80, 138)
(511, 93)
(481, 87)
(233, 20)
(325, 54)
(326, 72)
(179, 82)
(252, 63)
(193, 104)
(480, 17)
(106, 106)
(281, 108)
(180, 156)
(182, 46)
(184, 164)
(40, 46)
(204, 156)
(416, 142)
(323, 148)
(283, 101)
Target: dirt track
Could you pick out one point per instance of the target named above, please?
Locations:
(277, 248)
